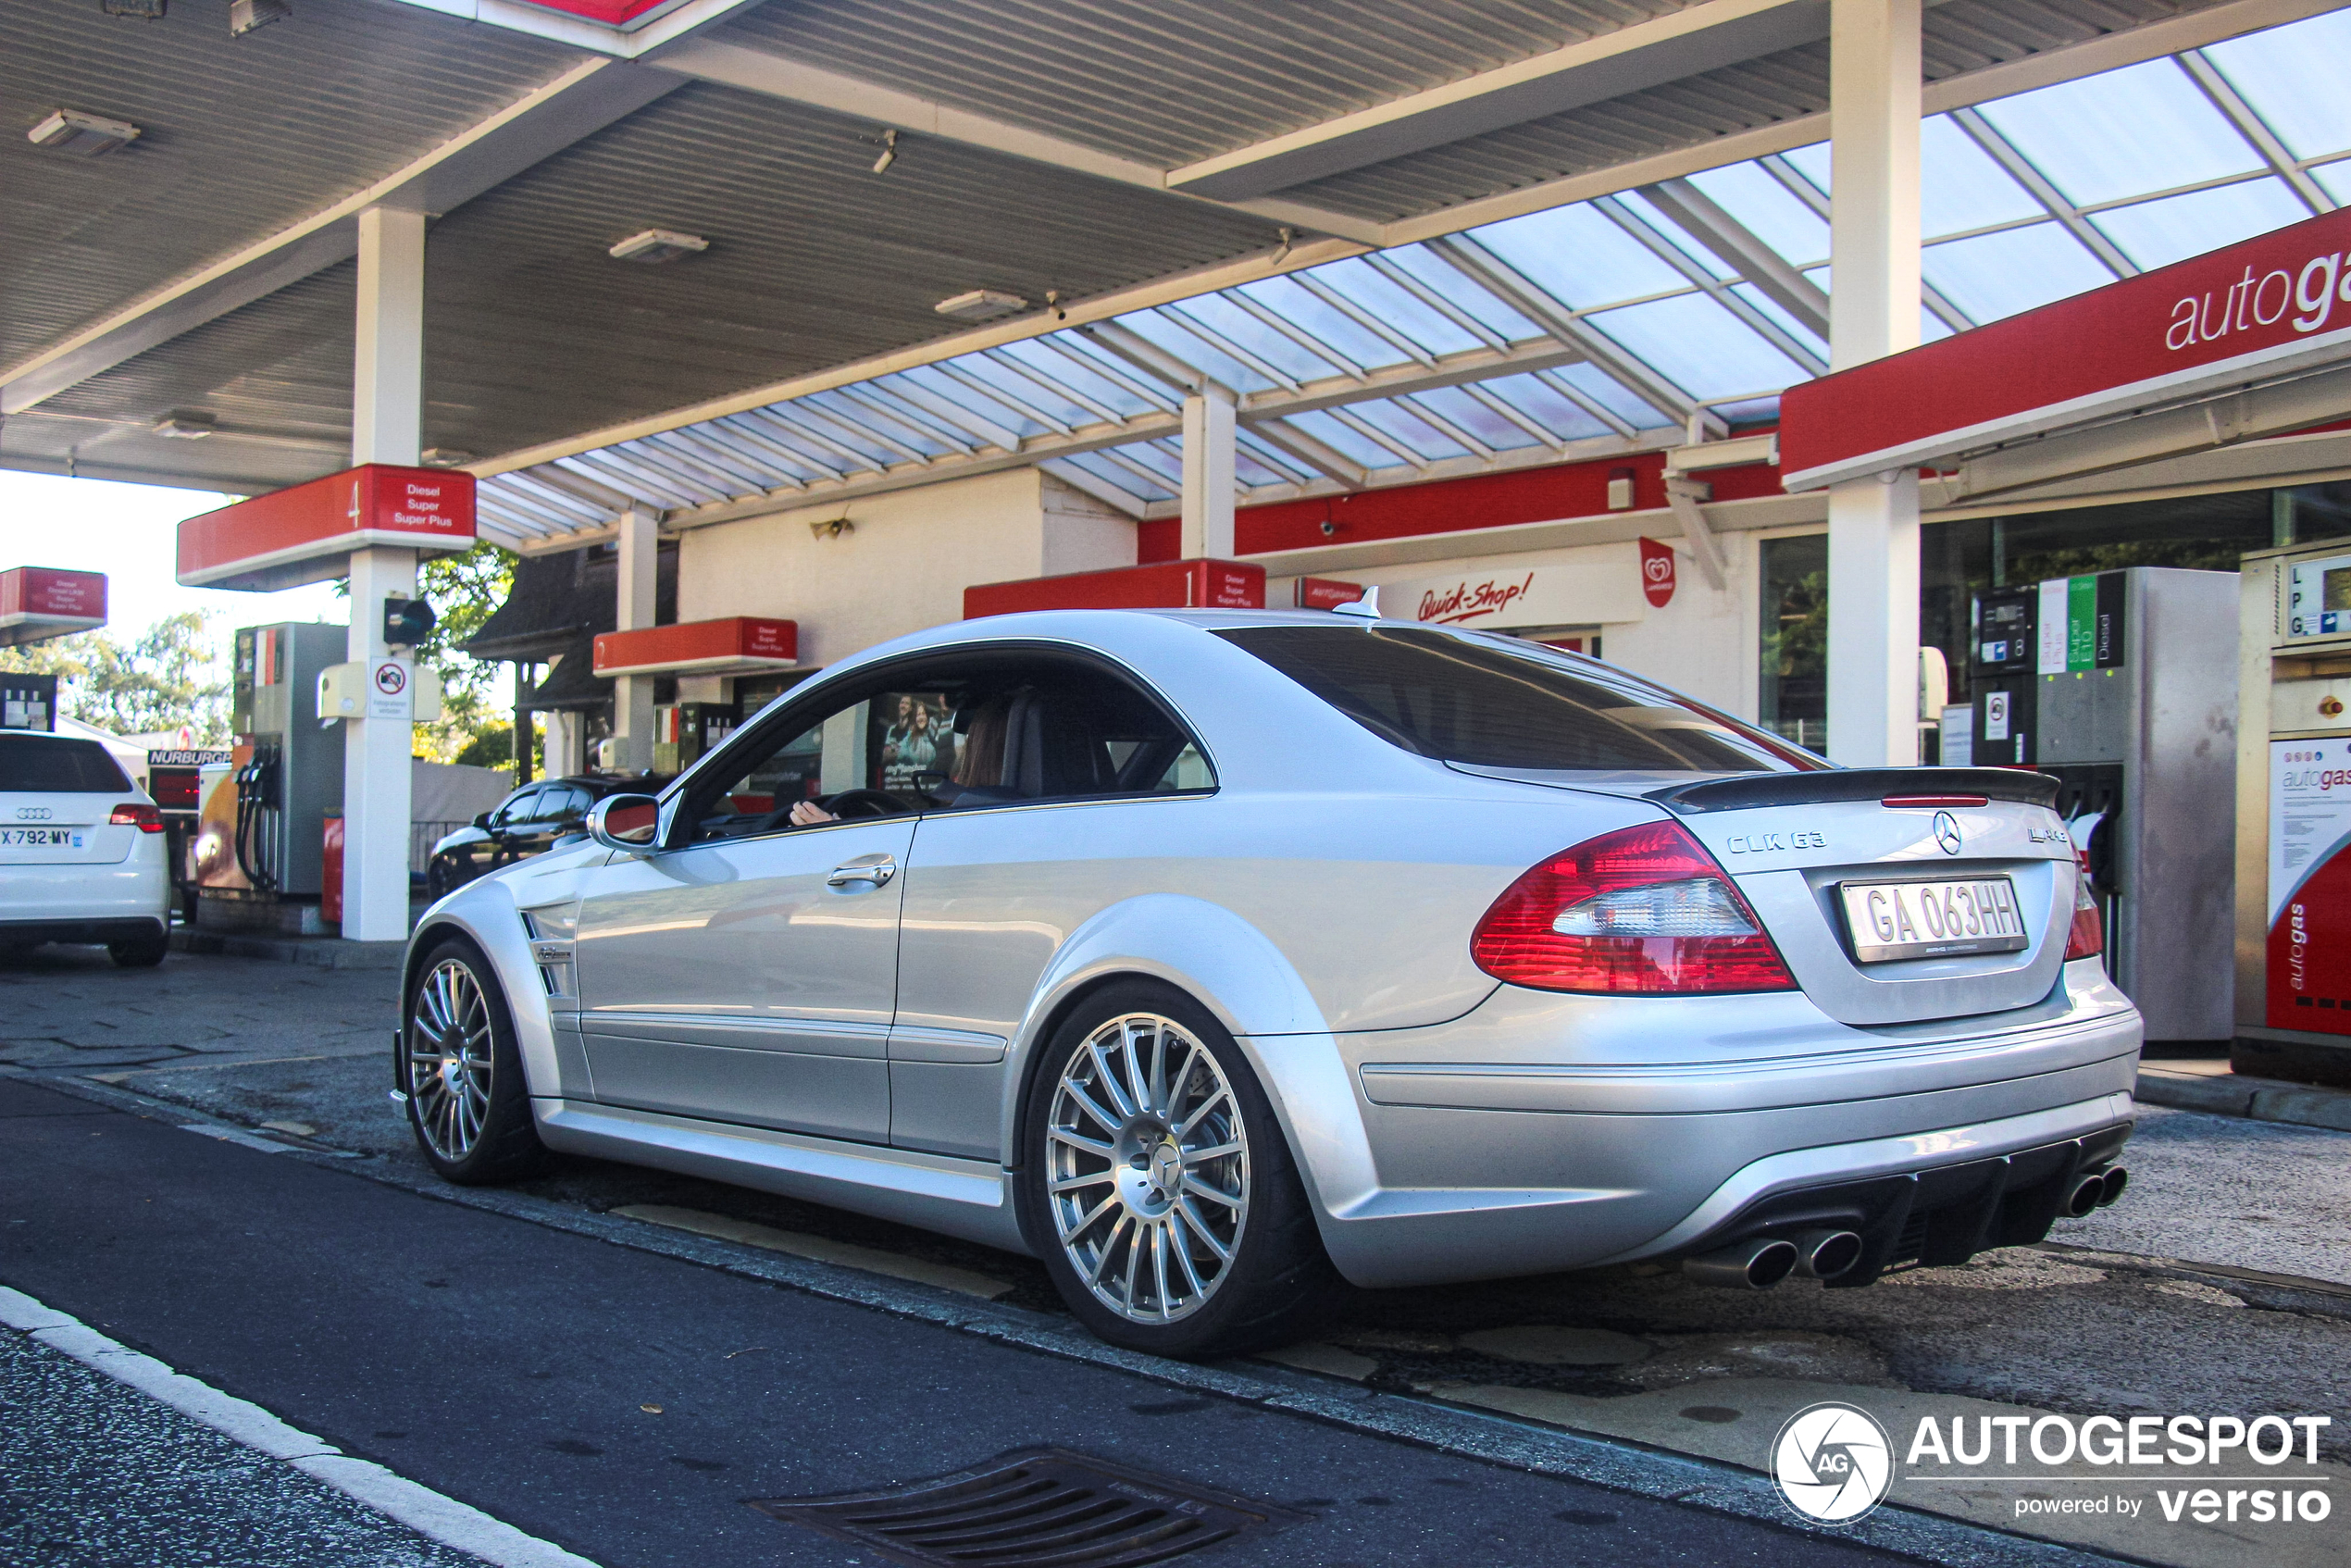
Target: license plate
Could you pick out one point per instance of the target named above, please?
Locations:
(39, 839)
(1890, 920)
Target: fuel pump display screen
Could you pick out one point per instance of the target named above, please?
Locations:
(2318, 601)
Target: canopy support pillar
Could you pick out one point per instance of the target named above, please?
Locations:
(386, 410)
(1874, 67)
(632, 704)
(1208, 474)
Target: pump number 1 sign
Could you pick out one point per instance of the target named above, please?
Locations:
(2310, 950)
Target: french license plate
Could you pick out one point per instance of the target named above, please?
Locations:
(39, 839)
(1890, 920)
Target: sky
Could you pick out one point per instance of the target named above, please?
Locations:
(128, 532)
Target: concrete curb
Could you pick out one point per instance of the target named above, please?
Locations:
(2260, 1100)
(323, 952)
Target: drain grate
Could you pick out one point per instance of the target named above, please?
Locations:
(1036, 1508)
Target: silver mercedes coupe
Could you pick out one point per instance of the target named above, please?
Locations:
(1212, 956)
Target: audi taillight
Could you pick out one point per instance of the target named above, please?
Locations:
(1642, 909)
(2087, 938)
(145, 818)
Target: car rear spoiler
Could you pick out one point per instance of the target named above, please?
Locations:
(1818, 788)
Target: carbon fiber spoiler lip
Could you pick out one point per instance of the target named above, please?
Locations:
(2021, 786)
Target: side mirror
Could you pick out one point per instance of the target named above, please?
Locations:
(481, 820)
(624, 822)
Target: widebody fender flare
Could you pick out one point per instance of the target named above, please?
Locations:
(1238, 974)
(487, 914)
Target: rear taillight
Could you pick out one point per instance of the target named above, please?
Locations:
(145, 818)
(1642, 909)
(2087, 937)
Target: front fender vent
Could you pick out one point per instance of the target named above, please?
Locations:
(1035, 1507)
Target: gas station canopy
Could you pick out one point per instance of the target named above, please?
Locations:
(2247, 342)
(908, 239)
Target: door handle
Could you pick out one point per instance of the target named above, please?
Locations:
(875, 869)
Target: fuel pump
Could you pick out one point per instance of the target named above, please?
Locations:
(259, 856)
(2121, 685)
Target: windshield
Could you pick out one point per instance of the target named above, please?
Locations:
(1481, 701)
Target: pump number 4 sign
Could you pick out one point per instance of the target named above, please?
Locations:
(391, 690)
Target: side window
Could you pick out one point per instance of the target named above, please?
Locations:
(519, 807)
(982, 727)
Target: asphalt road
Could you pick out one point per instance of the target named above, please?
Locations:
(622, 1404)
(2110, 1321)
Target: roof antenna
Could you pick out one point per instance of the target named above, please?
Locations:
(1367, 606)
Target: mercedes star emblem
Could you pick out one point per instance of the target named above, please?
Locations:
(1947, 832)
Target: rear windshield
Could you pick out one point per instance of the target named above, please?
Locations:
(1478, 702)
(67, 768)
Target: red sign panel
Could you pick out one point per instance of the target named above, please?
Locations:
(1656, 572)
(1325, 594)
(612, 13)
(2265, 307)
(1166, 584)
(735, 644)
(306, 534)
(52, 593)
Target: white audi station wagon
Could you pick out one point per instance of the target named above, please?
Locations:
(82, 851)
(1212, 955)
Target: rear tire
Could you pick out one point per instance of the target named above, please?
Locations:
(1157, 1185)
(469, 1103)
(139, 952)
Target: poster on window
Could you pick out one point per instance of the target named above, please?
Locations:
(2309, 947)
(913, 733)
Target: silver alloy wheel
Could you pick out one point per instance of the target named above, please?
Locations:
(1147, 1168)
(450, 1053)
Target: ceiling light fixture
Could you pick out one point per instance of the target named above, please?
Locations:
(185, 425)
(143, 10)
(68, 131)
(889, 153)
(246, 14)
(657, 245)
(981, 304)
(445, 457)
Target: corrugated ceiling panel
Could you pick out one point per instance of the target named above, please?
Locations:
(1172, 81)
(1960, 36)
(241, 136)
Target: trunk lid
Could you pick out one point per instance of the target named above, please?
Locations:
(44, 828)
(1792, 842)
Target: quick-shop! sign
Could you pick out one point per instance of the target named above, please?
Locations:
(1611, 587)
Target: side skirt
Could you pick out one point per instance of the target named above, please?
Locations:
(971, 1198)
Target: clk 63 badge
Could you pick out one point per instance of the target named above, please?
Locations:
(1761, 843)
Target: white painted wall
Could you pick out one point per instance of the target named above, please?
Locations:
(1702, 642)
(903, 565)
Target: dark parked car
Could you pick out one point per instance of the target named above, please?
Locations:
(531, 821)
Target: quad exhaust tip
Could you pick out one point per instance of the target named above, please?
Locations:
(2095, 1191)
(1825, 1254)
(1756, 1264)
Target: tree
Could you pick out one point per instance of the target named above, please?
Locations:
(171, 676)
